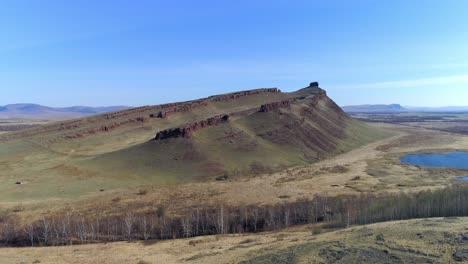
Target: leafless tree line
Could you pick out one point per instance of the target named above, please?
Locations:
(343, 211)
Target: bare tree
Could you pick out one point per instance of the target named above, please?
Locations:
(255, 216)
(30, 233)
(146, 227)
(9, 231)
(129, 222)
(45, 230)
(187, 226)
(81, 229)
(220, 221)
(161, 214)
(287, 215)
(65, 228)
(197, 221)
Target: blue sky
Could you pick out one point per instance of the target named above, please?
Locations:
(118, 52)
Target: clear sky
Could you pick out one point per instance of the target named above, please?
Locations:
(117, 52)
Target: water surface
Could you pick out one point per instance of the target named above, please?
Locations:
(457, 160)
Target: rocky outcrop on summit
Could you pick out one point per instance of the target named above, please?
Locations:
(188, 129)
(275, 105)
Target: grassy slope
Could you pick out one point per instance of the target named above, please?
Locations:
(138, 133)
(414, 241)
(57, 169)
(125, 158)
(258, 143)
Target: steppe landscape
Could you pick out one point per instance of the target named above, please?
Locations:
(240, 132)
(67, 175)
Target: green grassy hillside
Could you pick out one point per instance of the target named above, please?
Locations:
(260, 142)
(267, 131)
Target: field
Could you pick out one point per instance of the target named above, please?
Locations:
(448, 122)
(8, 125)
(436, 240)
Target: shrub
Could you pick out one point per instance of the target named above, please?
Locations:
(142, 192)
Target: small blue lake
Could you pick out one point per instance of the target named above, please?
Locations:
(457, 160)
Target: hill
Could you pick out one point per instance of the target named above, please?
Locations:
(378, 108)
(443, 109)
(397, 108)
(219, 137)
(35, 111)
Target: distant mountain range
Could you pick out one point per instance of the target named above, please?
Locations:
(377, 108)
(396, 108)
(437, 109)
(35, 111)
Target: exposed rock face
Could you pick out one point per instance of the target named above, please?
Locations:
(188, 106)
(180, 108)
(125, 112)
(94, 124)
(273, 106)
(321, 96)
(104, 128)
(188, 129)
(318, 125)
(226, 97)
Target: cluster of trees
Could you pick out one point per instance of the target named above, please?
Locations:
(72, 228)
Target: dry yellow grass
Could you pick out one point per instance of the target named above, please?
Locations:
(374, 168)
(371, 168)
(418, 240)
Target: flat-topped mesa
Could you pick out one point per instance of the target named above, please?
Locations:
(275, 105)
(235, 95)
(187, 130)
